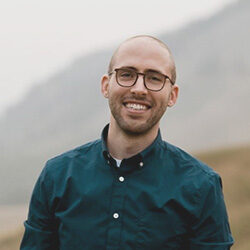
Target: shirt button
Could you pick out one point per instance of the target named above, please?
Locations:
(141, 164)
(121, 179)
(108, 162)
(108, 155)
(116, 215)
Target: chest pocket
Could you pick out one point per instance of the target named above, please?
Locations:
(160, 230)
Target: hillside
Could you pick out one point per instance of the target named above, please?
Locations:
(67, 110)
(234, 167)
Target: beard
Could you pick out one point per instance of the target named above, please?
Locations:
(136, 125)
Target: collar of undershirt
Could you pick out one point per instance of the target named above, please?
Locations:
(137, 159)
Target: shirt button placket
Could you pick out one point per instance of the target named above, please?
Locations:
(121, 179)
(117, 202)
(116, 215)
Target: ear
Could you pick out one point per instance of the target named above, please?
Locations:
(105, 85)
(173, 95)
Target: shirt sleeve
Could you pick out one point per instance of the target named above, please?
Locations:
(211, 228)
(40, 227)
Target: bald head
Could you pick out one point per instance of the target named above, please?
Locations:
(153, 39)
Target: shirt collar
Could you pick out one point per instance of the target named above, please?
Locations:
(137, 159)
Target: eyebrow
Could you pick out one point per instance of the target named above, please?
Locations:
(147, 70)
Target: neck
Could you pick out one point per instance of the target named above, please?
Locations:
(122, 145)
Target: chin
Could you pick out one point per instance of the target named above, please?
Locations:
(137, 129)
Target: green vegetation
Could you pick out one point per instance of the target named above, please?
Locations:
(233, 165)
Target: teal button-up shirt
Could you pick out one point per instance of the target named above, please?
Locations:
(161, 198)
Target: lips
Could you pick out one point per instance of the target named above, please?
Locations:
(136, 105)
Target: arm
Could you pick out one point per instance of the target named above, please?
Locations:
(40, 227)
(211, 229)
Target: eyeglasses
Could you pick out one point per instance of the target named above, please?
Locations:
(152, 80)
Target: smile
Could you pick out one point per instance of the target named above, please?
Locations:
(136, 106)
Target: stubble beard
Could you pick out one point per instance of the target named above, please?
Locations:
(131, 126)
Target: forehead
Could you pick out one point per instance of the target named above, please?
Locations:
(143, 54)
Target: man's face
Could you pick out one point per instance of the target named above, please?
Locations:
(137, 110)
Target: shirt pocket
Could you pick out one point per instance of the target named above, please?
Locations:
(160, 230)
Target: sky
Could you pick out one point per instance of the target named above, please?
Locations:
(39, 38)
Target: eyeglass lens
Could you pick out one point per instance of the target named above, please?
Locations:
(128, 77)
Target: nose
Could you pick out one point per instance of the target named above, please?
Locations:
(139, 87)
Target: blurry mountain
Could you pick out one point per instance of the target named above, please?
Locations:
(212, 58)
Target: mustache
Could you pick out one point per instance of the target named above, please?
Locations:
(136, 98)
(133, 98)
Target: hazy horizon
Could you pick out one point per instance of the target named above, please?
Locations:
(38, 40)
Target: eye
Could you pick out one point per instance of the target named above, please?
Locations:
(126, 74)
(154, 77)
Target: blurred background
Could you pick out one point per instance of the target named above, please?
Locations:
(52, 56)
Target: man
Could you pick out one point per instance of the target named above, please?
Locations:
(130, 190)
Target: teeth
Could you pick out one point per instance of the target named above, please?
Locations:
(136, 106)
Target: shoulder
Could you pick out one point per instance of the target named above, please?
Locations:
(185, 161)
(73, 157)
(191, 178)
(191, 174)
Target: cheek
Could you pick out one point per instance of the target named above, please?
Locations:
(161, 99)
(113, 89)
(118, 93)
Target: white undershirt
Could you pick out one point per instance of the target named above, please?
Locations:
(118, 162)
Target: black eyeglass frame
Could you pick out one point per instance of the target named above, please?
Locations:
(144, 82)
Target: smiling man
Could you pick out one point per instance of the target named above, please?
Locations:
(139, 89)
(130, 189)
